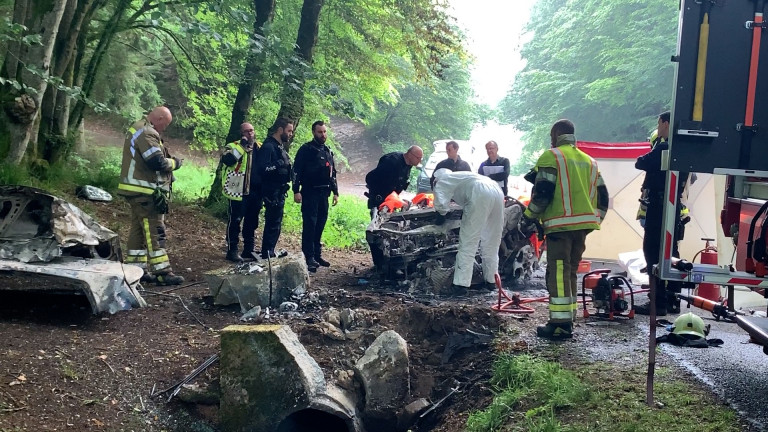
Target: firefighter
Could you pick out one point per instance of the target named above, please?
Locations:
(237, 188)
(146, 175)
(655, 183)
(314, 182)
(570, 200)
(273, 168)
(482, 221)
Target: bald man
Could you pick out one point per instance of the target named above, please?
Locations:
(239, 188)
(391, 175)
(145, 182)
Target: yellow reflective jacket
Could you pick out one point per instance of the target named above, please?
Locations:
(236, 178)
(579, 200)
(146, 165)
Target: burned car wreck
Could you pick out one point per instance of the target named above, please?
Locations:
(408, 245)
(49, 245)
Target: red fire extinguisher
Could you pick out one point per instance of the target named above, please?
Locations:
(708, 256)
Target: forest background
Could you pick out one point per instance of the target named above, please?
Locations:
(402, 67)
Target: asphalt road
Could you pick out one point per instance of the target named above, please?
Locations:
(737, 371)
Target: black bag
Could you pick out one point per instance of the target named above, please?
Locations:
(162, 200)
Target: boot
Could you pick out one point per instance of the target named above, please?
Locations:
(312, 265)
(268, 253)
(250, 255)
(555, 331)
(645, 309)
(169, 279)
(491, 286)
(322, 262)
(233, 256)
(457, 291)
(148, 278)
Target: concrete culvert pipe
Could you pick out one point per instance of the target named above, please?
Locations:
(310, 420)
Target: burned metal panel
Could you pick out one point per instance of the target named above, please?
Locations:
(409, 241)
(109, 286)
(38, 227)
(45, 236)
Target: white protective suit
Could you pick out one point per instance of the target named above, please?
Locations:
(482, 221)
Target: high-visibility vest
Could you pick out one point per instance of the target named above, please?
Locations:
(574, 204)
(234, 179)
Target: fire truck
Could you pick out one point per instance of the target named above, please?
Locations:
(719, 125)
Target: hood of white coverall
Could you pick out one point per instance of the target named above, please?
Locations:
(460, 187)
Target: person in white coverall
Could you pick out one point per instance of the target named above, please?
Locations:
(482, 221)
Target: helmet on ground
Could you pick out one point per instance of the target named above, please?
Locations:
(690, 324)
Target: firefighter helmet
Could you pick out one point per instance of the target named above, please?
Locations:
(690, 324)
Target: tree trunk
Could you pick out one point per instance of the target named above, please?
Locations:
(22, 110)
(292, 98)
(13, 52)
(54, 106)
(89, 77)
(265, 12)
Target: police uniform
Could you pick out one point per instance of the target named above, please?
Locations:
(244, 202)
(273, 169)
(315, 179)
(146, 175)
(390, 175)
(570, 199)
(655, 185)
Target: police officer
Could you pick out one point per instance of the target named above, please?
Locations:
(236, 187)
(391, 175)
(145, 181)
(273, 168)
(655, 184)
(314, 181)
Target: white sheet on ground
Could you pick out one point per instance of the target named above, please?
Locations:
(632, 262)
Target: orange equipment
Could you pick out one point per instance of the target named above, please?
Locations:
(392, 202)
(608, 295)
(706, 290)
(718, 309)
(424, 199)
(514, 304)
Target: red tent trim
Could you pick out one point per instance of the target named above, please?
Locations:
(599, 150)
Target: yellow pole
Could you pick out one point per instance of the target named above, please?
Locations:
(701, 70)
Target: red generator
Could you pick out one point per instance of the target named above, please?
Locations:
(608, 294)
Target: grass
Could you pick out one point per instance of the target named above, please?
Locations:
(533, 394)
(69, 371)
(345, 228)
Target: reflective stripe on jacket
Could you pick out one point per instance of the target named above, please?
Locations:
(142, 150)
(236, 179)
(576, 179)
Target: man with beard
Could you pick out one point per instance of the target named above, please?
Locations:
(315, 180)
(273, 167)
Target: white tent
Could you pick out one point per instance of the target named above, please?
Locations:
(621, 231)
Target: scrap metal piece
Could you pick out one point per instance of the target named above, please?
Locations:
(62, 249)
(109, 286)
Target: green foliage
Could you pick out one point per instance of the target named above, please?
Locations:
(127, 78)
(533, 394)
(345, 228)
(425, 111)
(192, 183)
(537, 385)
(610, 79)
